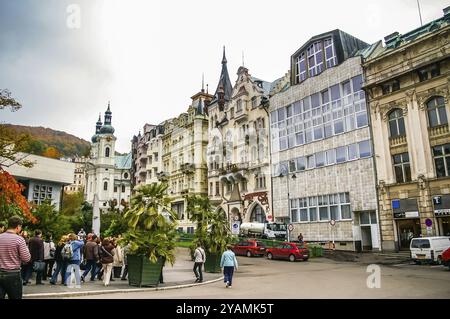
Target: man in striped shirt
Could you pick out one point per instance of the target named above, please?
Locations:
(13, 252)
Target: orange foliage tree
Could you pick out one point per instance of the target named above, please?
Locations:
(51, 152)
(11, 199)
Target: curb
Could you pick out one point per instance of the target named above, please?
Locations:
(103, 292)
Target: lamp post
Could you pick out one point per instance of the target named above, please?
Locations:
(282, 174)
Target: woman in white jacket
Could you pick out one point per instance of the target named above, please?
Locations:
(118, 259)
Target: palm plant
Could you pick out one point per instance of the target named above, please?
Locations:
(152, 224)
(213, 230)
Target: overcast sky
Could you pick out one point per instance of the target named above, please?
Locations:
(147, 57)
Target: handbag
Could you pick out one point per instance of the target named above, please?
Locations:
(38, 266)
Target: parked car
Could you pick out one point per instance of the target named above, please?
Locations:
(250, 248)
(446, 258)
(428, 249)
(291, 251)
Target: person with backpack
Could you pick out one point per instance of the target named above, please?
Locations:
(199, 260)
(74, 262)
(36, 247)
(61, 264)
(107, 259)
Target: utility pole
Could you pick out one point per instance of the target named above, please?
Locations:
(420, 14)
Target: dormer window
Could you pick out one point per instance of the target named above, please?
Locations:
(315, 59)
(253, 102)
(330, 54)
(300, 68)
(390, 87)
(429, 72)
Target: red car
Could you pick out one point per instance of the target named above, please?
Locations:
(446, 258)
(291, 251)
(249, 248)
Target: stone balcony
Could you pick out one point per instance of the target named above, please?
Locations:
(438, 131)
(397, 141)
(187, 168)
(233, 172)
(241, 115)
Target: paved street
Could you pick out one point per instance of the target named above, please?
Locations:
(317, 278)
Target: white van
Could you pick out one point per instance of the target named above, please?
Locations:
(428, 249)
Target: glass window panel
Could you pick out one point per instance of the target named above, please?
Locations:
(373, 218)
(273, 117)
(281, 114)
(297, 107)
(357, 83)
(331, 157)
(341, 154)
(446, 149)
(301, 163)
(300, 140)
(447, 161)
(401, 127)
(397, 158)
(334, 212)
(311, 162)
(312, 214)
(345, 212)
(323, 212)
(328, 130)
(308, 136)
(306, 104)
(393, 128)
(292, 165)
(346, 89)
(437, 150)
(352, 151)
(304, 214)
(364, 149)
(318, 133)
(315, 100)
(335, 92)
(361, 119)
(294, 215)
(325, 96)
(432, 117)
(365, 218)
(338, 126)
(398, 174)
(289, 111)
(442, 115)
(407, 169)
(320, 159)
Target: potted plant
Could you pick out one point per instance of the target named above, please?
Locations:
(212, 231)
(151, 236)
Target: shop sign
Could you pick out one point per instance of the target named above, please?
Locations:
(406, 215)
(442, 212)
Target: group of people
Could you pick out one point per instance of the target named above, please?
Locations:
(228, 263)
(20, 256)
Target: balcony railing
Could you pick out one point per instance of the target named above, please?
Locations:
(438, 131)
(187, 168)
(397, 141)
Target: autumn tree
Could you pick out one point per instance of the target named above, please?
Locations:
(12, 202)
(51, 152)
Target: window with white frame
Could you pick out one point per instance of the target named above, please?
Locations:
(300, 68)
(402, 168)
(330, 53)
(441, 154)
(436, 111)
(321, 208)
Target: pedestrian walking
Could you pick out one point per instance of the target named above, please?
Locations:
(229, 264)
(107, 259)
(61, 264)
(27, 265)
(199, 260)
(36, 247)
(74, 262)
(92, 257)
(118, 259)
(300, 238)
(126, 249)
(49, 256)
(13, 252)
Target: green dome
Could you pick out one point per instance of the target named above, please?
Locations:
(107, 129)
(94, 138)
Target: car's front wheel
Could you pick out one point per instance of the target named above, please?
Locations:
(291, 258)
(249, 253)
(270, 256)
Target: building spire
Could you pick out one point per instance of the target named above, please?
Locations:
(224, 59)
(203, 82)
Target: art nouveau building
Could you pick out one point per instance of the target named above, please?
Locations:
(183, 158)
(107, 174)
(238, 154)
(323, 170)
(407, 82)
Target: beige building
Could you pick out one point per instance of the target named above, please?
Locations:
(183, 156)
(139, 149)
(407, 82)
(238, 151)
(323, 174)
(79, 178)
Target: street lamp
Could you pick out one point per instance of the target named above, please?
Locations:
(288, 195)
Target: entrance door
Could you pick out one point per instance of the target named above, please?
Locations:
(407, 230)
(366, 237)
(445, 226)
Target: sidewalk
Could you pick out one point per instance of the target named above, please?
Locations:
(178, 276)
(375, 257)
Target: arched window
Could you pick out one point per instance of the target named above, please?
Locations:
(436, 111)
(396, 123)
(105, 186)
(258, 215)
(107, 152)
(125, 175)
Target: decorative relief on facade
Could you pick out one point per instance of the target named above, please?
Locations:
(384, 109)
(262, 197)
(424, 96)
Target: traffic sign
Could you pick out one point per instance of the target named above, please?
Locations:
(291, 227)
(428, 222)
